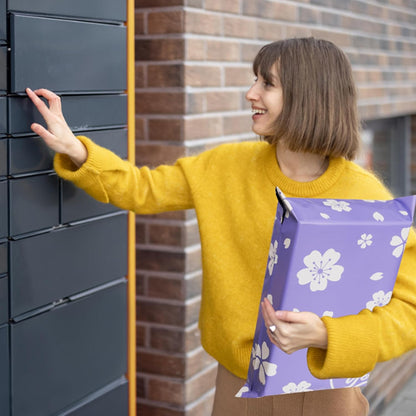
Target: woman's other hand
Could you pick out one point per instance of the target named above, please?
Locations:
(294, 330)
(58, 136)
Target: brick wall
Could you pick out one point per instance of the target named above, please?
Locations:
(193, 66)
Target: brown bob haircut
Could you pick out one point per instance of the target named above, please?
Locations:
(319, 112)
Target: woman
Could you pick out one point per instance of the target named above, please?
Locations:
(304, 105)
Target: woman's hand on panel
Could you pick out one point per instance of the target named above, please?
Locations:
(58, 136)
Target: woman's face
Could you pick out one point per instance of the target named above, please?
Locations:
(266, 100)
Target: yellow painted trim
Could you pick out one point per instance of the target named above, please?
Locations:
(131, 375)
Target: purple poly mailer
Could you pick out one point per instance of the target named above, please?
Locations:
(334, 258)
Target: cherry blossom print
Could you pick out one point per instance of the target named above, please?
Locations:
(379, 299)
(365, 241)
(260, 355)
(377, 276)
(320, 268)
(243, 390)
(324, 216)
(287, 243)
(378, 217)
(297, 388)
(272, 257)
(338, 205)
(398, 242)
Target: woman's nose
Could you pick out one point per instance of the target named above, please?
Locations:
(252, 93)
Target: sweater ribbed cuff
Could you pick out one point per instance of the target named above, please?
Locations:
(352, 347)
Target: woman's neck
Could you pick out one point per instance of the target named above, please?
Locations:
(300, 167)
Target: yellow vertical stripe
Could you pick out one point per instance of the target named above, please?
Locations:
(132, 223)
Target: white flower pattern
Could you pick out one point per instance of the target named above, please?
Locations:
(319, 269)
(338, 205)
(365, 241)
(260, 355)
(297, 388)
(243, 390)
(399, 242)
(272, 257)
(379, 299)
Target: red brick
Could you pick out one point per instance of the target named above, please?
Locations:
(139, 76)
(223, 101)
(195, 102)
(169, 129)
(139, 23)
(195, 49)
(201, 384)
(169, 235)
(159, 49)
(165, 22)
(203, 23)
(155, 260)
(157, 3)
(240, 27)
(140, 387)
(237, 124)
(167, 391)
(223, 50)
(141, 335)
(165, 75)
(239, 76)
(161, 312)
(198, 128)
(159, 409)
(166, 288)
(230, 6)
(161, 364)
(140, 128)
(197, 362)
(270, 31)
(154, 154)
(202, 76)
(160, 102)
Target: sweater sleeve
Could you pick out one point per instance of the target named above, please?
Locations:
(357, 342)
(110, 179)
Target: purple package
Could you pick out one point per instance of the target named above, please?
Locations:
(334, 258)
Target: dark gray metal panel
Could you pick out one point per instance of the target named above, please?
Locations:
(3, 158)
(29, 154)
(3, 210)
(4, 300)
(3, 258)
(113, 139)
(66, 261)
(3, 21)
(3, 115)
(112, 400)
(65, 354)
(94, 9)
(81, 112)
(78, 205)
(34, 203)
(65, 55)
(3, 69)
(4, 371)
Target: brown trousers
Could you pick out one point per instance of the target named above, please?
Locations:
(340, 402)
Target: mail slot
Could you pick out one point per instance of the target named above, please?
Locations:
(3, 258)
(3, 210)
(61, 356)
(90, 56)
(4, 373)
(29, 154)
(113, 139)
(66, 261)
(111, 400)
(34, 204)
(93, 9)
(82, 112)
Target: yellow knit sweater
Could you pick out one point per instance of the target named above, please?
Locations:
(232, 190)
